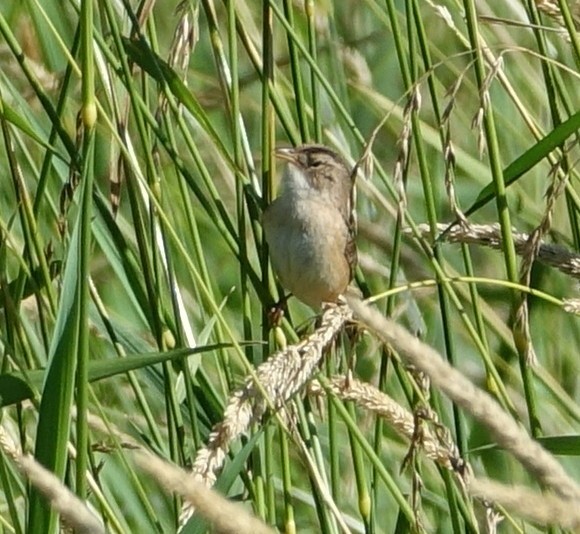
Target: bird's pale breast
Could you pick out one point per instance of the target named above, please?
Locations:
(307, 239)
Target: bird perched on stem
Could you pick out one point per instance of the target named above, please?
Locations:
(310, 227)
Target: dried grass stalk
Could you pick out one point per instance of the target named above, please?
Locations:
(507, 432)
(489, 235)
(225, 516)
(369, 398)
(273, 383)
(541, 508)
(74, 512)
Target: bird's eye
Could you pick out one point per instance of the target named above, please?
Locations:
(315, 163)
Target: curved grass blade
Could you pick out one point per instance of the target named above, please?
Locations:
(19, 120)
(529, 159)
(14, 389)
(68, 351)
(565, 445)
(32, 283)
(18, 387)
(139, 52)
(57, 394)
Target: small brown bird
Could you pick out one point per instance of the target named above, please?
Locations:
(310, 227)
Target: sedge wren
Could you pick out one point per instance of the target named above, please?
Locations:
(310, 227)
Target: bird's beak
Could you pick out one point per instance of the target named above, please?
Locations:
(286, 154)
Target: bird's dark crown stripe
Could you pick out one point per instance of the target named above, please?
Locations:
(313, 149)
(317, 148)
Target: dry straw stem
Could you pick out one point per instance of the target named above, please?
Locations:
(225, 516)
(572, 306)
(552, 9)
(541, 508)
(489, 235)
(507, 432)
(74, 513)
(273, 383)
(369, 398)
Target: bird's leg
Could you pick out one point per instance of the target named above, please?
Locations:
(277, 311)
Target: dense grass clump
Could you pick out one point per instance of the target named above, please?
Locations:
(140, 366)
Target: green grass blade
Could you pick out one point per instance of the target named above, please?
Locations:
(529, 159)
(57, 393)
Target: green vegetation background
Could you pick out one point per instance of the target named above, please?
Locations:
(142, 236)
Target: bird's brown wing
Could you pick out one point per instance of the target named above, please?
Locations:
(350, 252)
